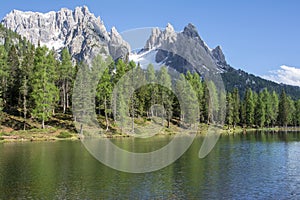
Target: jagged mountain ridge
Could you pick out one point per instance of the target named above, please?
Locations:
(168, 47)
(79, 30)
(160, 41)
(84, 35)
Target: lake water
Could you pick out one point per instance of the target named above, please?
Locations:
(250, 166)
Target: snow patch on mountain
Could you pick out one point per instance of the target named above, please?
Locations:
(145, 58)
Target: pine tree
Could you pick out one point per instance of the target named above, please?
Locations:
(188, 101)
(283, 113)
(259, 114)
(141, 93)
(274, 108)
(152, 90)
(104, 91)
(229, 110)
(297, 112)
(118, 73)
(196, 83)
(14, 79)
(26, 68)
(249, 107)
(166, 96)
(44, 92)
(268, 106)
(236, 107)
(243, 113)
(3, 77)
(82, 97)
(291, 111)
(204, 117)
(213, 102)
(65, 71)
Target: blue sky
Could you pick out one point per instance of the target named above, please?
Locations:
(256, 36)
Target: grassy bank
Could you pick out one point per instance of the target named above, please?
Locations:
(61, 127)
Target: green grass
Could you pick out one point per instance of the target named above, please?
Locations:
(64, 134)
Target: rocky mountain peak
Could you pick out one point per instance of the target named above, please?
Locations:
(219, 55)
(117, 46)
(169, 28)
(191, 31)
(79, 30)
(158, 37)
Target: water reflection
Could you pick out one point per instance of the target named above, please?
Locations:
(242, 166)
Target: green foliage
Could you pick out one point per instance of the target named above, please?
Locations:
(44, 92)
(64, 134)
(33, 84)
(260, 111)
(249, 107)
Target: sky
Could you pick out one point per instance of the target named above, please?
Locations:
(260, 37)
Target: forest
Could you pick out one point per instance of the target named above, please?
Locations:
(37, 84)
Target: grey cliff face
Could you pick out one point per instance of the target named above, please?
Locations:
(179, 50)
(79, 30)
(218, 55)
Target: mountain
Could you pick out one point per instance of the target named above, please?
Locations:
(84, 35)
(78, 30)
(180, 50)
(186, 51)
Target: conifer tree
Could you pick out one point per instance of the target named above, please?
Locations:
(166, 96)
(44, 92)
(274, 108)
(249, 107)
(236, 107)
(26, 68)
(260, 111)
(65, 71)
(3, 77)
(283, 112)
(229, 110)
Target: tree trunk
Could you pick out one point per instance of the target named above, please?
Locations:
(115, 107)
(64, 97)
(106, 116)
(24, 103)
(43, 124)
(67, 94)
(132, 113)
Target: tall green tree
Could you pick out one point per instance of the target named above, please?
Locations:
(104, 91)
(283, 112)
(26, 68)
(229, 110)
(260, 112)
(44, 92)
(188, 101)
(213, 102)
(3, 76)
(249, 107)
(297, 112)
(13, 81)
(274, 108)
(65, 71)
(165, 91)
(236, 107)
(196, 83)
(152, 90)
(267, 100)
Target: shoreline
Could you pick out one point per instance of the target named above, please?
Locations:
(52, 134)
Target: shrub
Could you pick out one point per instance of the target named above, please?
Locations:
(64, 134)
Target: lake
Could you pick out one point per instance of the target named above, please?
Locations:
(255, 165)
